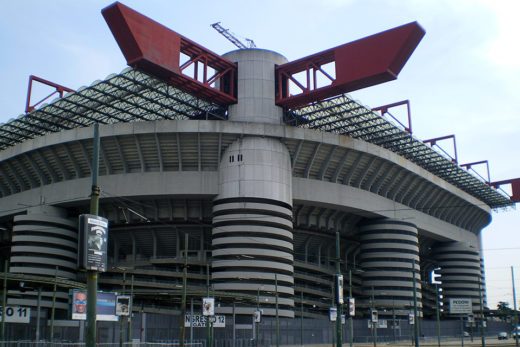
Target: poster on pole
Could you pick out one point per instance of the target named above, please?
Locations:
(208, 306)
(93, 241)
(123, 305)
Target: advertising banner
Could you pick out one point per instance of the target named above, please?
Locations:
(93, 240)
(105, 307)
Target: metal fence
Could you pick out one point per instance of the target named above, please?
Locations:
(163, 330)
(82, 344)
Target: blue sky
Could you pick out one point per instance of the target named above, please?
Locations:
(461, 79)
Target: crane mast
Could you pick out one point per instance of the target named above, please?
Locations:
(234, 40)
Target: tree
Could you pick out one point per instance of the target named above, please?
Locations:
(503, 310)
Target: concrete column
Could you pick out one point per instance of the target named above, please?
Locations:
(388, 247)
(252, 237)
(42, 240)
(460, 271)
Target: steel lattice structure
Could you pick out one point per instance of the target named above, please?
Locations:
(342, 115)
(129, 96)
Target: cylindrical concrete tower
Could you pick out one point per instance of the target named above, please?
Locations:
(460, 272)
(44, 243)
(388, 248)
(252, 215)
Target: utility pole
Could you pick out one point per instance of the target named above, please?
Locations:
(121, 317)
(257, 324)
(416, 318)
(208, 323)
(129, 337)
(4, 300)
(301, 318)
(350, 321)
(516, 330)
(482, 318)
(373, 324)
(184, 284)
(277, 317)
(53, 309)
(339, 293)
(92, 275)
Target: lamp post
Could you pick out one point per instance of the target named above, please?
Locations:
(438, 316)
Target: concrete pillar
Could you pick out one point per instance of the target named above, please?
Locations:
(388, 247)
(252, 237)
(460, 271)
(42, 240)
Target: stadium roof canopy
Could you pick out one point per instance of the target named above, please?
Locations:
(134, 96)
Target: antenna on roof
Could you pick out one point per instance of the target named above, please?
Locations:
(234, 40)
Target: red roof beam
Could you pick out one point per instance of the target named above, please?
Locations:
(515, 187)
(155, 49)
(58, 89)
(384, 110)
(468, 166)
(359, 64)
(434, 141)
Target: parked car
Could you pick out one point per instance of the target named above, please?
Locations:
(502, 335)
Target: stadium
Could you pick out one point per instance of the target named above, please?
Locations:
(241, 169)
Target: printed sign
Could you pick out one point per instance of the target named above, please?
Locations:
(199, 321)
(16, 314)
(93, 240)
(461, 306)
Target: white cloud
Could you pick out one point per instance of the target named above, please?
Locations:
(504, 50)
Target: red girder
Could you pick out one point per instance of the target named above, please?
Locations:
(58, 89)
(384, 110)
(434, 141)
(156, 49)
(359, 64)
(515, 187)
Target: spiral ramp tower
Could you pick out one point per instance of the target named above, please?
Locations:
(44, 243)
(460, 271)
(390, 260)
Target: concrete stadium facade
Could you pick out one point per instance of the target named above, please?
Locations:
(260, 201)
